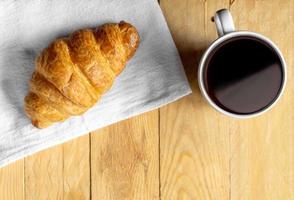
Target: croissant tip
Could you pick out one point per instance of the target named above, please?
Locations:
(40, 125)
(124, 24)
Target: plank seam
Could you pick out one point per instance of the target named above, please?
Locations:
(90, 166)
(159, 160)
(63, 172)
(230, 140)
(24, 179)
(230, 167)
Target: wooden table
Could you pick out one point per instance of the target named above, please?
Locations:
(185, 150)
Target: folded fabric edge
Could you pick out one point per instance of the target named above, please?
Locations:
(21, 154)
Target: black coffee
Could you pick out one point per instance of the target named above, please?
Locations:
(243, 75)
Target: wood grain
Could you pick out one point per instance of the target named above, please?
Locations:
(194, 139)
(263, 148)
(44, 175)
(62, 172)
(12, 181)
(76, 169)
(256, 155)
(185, 150)
(124, 159)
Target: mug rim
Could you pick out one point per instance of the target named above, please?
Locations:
(223, 39)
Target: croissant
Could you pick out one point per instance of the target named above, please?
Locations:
(72, 73)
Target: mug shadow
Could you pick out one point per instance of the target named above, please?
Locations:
(190, 60)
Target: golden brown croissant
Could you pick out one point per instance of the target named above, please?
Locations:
(72, 73)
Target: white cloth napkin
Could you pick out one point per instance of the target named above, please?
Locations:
(154, 76)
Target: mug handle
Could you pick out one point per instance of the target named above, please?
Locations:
(224, 22)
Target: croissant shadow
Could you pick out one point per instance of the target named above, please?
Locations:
(17, 66)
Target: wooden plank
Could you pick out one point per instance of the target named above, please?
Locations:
(194, 139)
(125, 159)
(263, 148)
(76, 169)
(44, 175)
(12, 181)
(61, 172)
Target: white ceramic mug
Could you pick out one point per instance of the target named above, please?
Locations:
(226, 30)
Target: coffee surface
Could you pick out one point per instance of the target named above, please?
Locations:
(243, 75)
